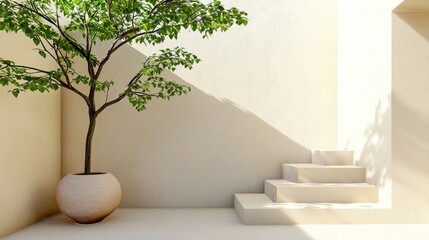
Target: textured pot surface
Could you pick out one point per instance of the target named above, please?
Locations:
(88, 198)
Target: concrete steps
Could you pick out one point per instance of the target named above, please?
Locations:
(332, 157)
(283, 191)
(329, 182)
(258, 209)
(313, 173)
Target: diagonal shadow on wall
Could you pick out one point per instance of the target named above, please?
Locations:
(192, 151)
(411, 109)
(417, 21)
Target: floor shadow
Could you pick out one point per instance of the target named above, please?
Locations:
(193, 151)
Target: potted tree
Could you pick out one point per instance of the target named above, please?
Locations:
(67, 31)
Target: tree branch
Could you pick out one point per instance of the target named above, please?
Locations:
(124, 93)
(76, 46)
(68, 39)
(107, 95)
(52, 22)
(115, 47)
(32, 68)
(146, 94)
(110, 103)
(45, 48)
(88, 46)
(152, 12)
(109, 7)
(68, 85)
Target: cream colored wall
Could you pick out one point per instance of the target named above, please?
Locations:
(383, 109)
(413, 6)
(239, 134)
(29, 146)
(264, 94)
(364, 87)
(410, 111)
(381, 105)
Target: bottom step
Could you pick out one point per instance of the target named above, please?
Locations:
(283, 191)
(258, 209)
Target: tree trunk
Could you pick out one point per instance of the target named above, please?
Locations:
(88, 145)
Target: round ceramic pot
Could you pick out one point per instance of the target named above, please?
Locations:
(88, 198)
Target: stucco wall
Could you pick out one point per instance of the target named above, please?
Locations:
(264, 94)
(29, 146)
(364, 87)
(413, 6)
(410, 129)
(382, 64)
(383, 108)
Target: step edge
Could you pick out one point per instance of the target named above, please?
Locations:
(275, 182)
(319, 166)
(269, 205)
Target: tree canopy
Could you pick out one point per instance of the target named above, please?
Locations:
(54, 24)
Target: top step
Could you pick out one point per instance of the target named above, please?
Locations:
(332, 157)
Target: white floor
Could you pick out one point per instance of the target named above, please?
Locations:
(205, 224)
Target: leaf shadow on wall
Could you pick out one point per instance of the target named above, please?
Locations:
(192, 151)
(377, 147)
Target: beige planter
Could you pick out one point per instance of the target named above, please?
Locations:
(88, 198)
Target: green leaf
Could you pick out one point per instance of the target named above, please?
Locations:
(4, 81)
(15, 92)
(42, 53)
(92, 22)
(36, 41)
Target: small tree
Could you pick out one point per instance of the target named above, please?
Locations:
(50, 24)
